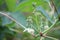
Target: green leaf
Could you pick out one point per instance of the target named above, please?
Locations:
(1, 2)
(27, 6)
(5, 20)
(43, 12)
(19, 17)
(11, 4)
(57, 5)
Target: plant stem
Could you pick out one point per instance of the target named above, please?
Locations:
(41, 38)
(51, 37)
(14, 30)
(13, 19)
(50, 27)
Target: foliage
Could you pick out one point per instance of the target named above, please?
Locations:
(29, 20)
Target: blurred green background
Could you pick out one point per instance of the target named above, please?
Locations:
(39, 15)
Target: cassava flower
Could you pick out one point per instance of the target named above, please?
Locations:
(46, 27)
(29, 30)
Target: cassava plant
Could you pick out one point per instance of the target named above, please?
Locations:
(38, 19)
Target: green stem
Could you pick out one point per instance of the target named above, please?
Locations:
(14, 30)
(13, 19)
(50, 27)
(35, 18)
(51, 37)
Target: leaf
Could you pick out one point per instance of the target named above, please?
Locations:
(19, 17)
(54, 33)
(57, 5)
(27, 6)
(1, 2)
(2, 36)
(5, 20)
(11, 4)
(43, 12)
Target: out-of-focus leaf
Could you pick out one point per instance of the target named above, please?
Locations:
(5, 20)
(3, 6)
(28, 5)
(18, 16)
(1, 2)
(44, 13)
(57, 5)
(0, 21)
(11, 4)
(12, 24)
(2, 36)
(54, 33)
